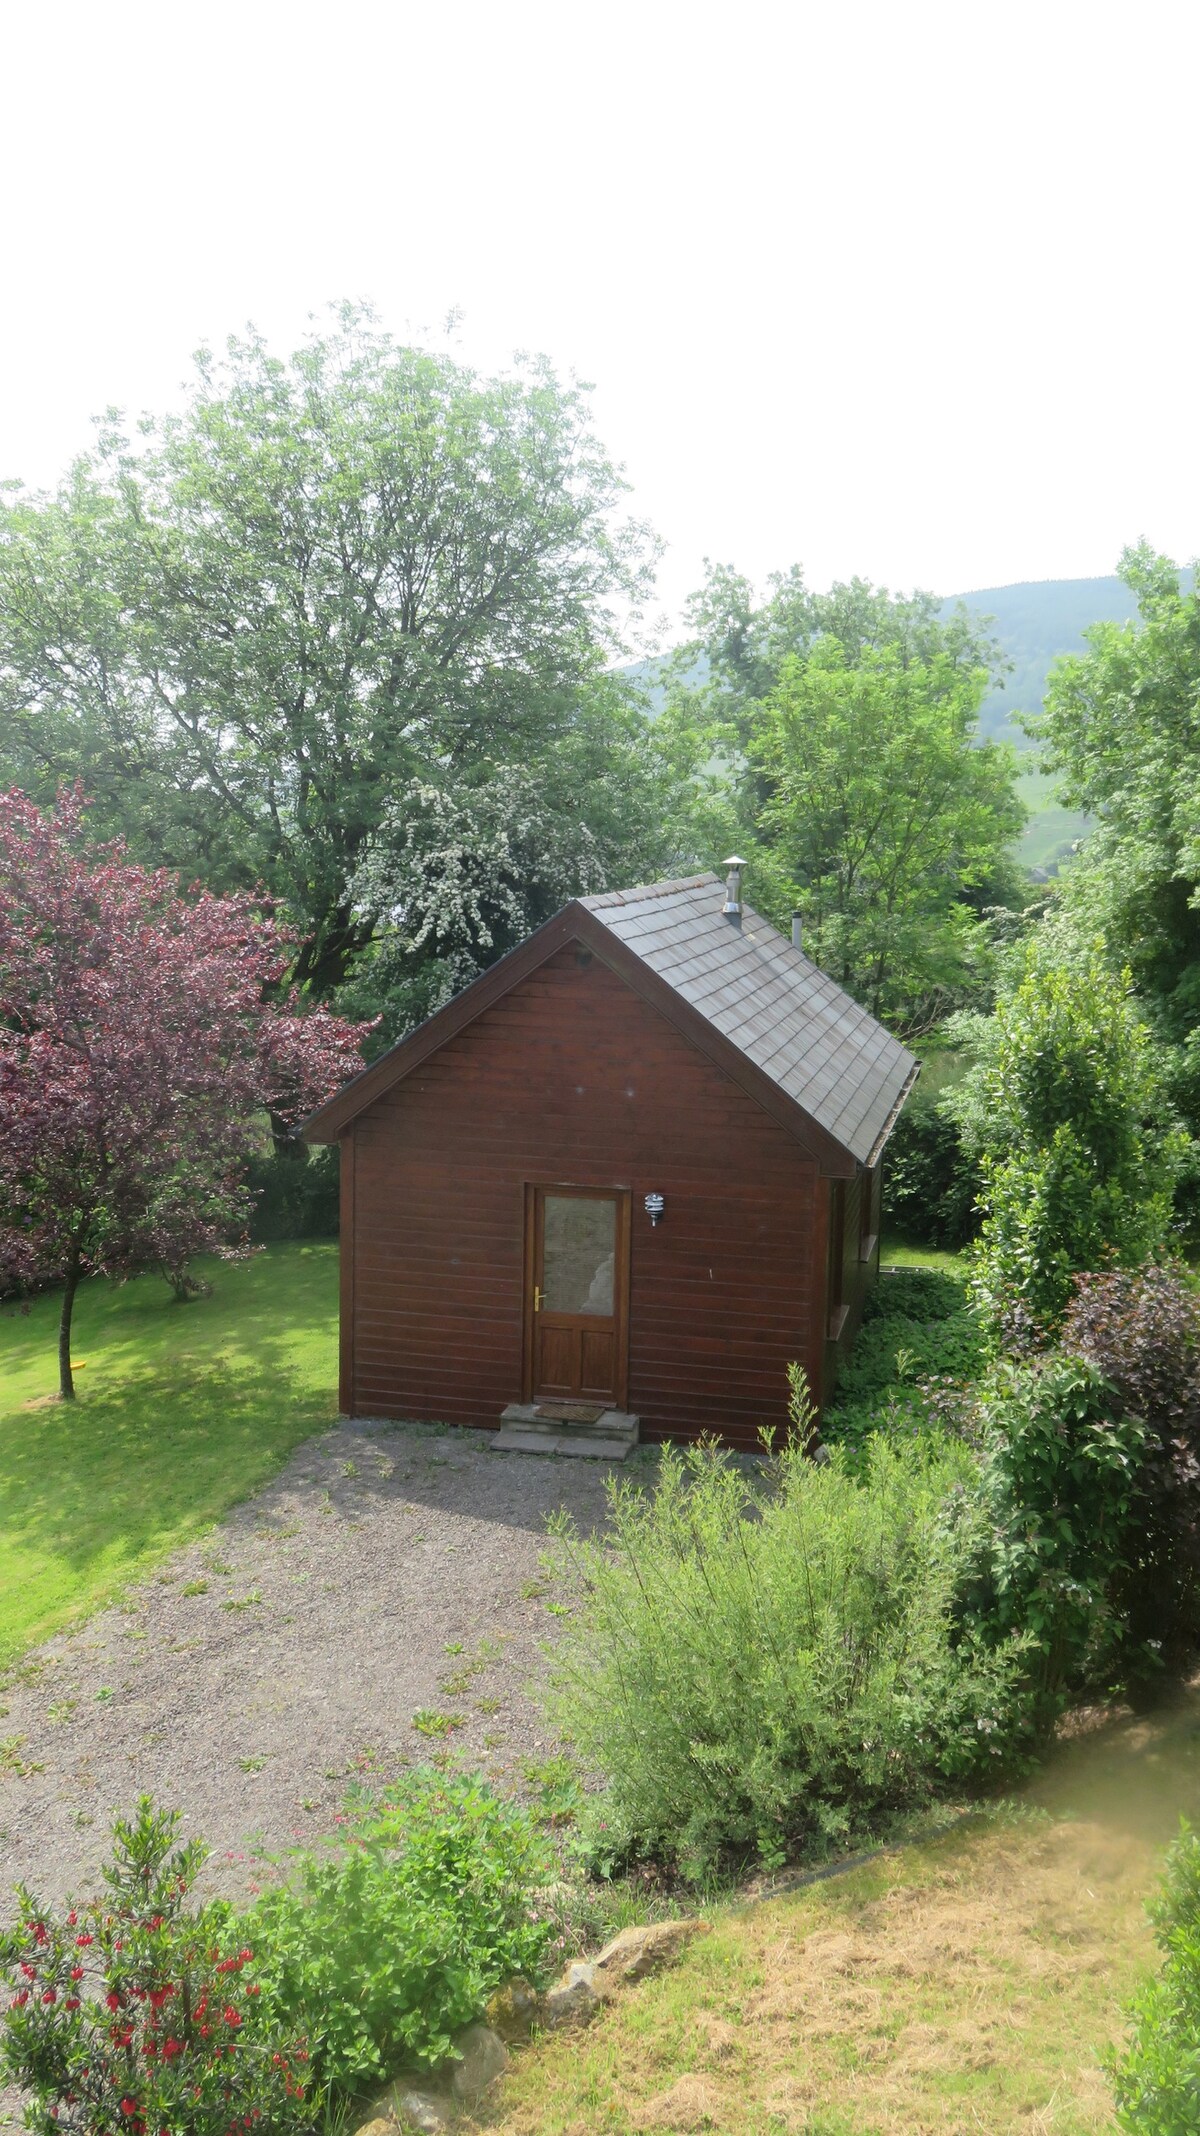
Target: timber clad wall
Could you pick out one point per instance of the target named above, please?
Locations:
(571, 1078)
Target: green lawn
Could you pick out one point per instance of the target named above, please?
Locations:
(182, 1410)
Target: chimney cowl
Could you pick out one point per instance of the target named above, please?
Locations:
(732, 908)
(797, 930)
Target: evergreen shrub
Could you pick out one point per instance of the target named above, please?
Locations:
(1057, 1487)
(763, 1665)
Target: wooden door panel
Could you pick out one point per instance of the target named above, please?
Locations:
(597, 1362)
(555, 1371)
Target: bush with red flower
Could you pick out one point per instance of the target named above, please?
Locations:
(139, 2014)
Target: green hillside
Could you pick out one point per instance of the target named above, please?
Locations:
(1034, 623)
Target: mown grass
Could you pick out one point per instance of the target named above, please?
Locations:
(182, 1410)
(973, 1982)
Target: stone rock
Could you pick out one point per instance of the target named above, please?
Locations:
(482, 2057)
(639, 1951)
(420, 2112)
(514, 2010)
(573, 1999)
(381, 2126)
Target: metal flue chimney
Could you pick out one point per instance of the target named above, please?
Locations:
(732, 908)
(797, 930)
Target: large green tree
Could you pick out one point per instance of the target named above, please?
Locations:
(250, 627)
(847, 760)
(1122, 727)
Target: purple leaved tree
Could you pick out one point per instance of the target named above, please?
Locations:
(141, 1042)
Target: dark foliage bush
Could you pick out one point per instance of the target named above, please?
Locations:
(930, 1184)
(1157, 2078)
(1141, 1329)
(296, 1194)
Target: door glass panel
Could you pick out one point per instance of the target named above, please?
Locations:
(580, 1241)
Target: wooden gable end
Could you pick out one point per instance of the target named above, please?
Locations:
(570, 1076)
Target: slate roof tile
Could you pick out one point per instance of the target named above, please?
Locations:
(782, 1012)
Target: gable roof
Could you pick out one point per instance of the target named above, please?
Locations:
(770, 1018)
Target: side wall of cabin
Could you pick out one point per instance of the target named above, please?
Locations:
(854, 1271)
(572, 1079)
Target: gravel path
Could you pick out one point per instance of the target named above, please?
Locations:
(389, 1570)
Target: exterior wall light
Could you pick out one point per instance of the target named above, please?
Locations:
(654, 1207)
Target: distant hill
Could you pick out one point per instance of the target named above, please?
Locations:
(1035, 622)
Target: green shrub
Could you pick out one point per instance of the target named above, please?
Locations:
(1058, 1488)
(1157, 2078)
(141, 2013)
(381, 1953)
(930, 1183)
(1067, 1116)
(761, 1665)
(295, 1194)
(919, 1337)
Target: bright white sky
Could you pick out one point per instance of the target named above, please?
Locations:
(902, 289)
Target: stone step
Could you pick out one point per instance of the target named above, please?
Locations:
(608, 1439)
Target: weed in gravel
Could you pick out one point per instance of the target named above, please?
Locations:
(105, 1692)
(531, 1590)
(492, 1740)
(13, 1765)
(557, 1609)
(62, 1711)
(195, 1587)
(217, 1566)
(454, 1646)
(82, 1819)
(349, 1468)
(427, 1722)
(251, 1765)
(488, 1705)
(250, 1601)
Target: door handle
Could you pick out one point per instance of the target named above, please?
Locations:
(537, 1299)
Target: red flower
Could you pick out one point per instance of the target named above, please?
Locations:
(83, 1941)
(77, 1972)
(30, 1971)
(50, 1996)
(230, 2015)
(129, 2106)
(19, 2000)
(71, 2003)
(112, 2000)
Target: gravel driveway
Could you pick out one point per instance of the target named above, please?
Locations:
(390, 1571)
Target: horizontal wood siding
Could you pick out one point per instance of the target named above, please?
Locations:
(858, 1276)
(572, 1079)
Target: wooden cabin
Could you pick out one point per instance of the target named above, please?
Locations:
(635, 1165)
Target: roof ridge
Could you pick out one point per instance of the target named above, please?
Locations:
(645, 891)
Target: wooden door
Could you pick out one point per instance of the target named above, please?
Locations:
(577, 1277)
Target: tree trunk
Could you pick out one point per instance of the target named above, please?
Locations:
(66, 1383)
